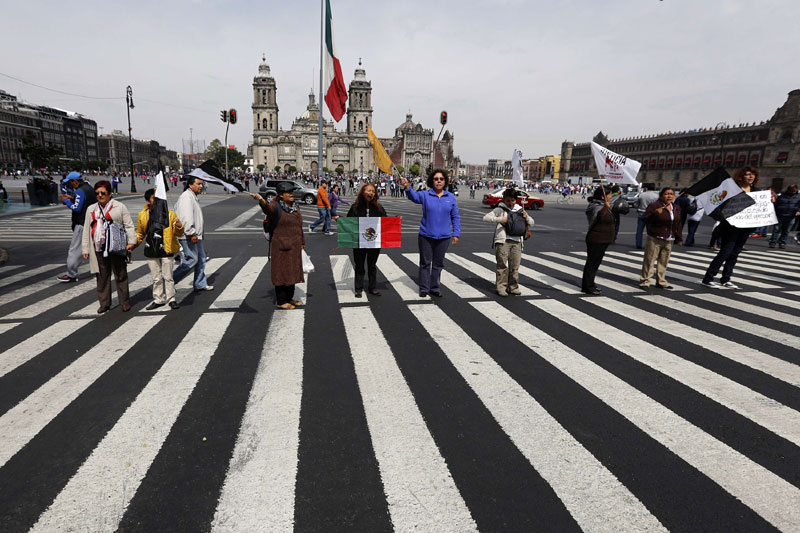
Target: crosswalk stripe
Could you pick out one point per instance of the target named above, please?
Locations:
(185, 287)
(544, 279)
(22, 422)
(420, 490)
(453, 283)
(539, 260)
(398, 279)
(238, 288)
(36, 344)
(259, 489)
(759, 262)
(24, 275)
(8, 326)
(98, 494)
(729, 321)
(762, 265)
(771, 298)
(622, 259)
(245, 217)
(610, 270)
(734, 351)
(9, 268)
(344, 278)
(766, 257)
(742, 275)
(76, 291)
(755, 486)
(485, 273)
(595, 498)
(757, 310)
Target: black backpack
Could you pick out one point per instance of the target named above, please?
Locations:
(515, 225)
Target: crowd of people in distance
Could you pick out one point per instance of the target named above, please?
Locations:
(661, 217)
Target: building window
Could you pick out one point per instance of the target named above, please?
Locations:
(360, 126)
(264, 123)
(782, 157)
(263, 96)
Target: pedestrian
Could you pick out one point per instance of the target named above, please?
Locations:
(598, 237)
(693, 221)
(324, 209)
(472, 188)
(509, 236)
(686, 205)
(83, 197)
(286, 245)
(95, 246)
(115, 183)
(619, 206)
(191, 216)
(335, 200)
(3, 193)
(644, 199)
(366, 205)
(161, 262)
(733, 238)
(440, 224)
(664, 227)
(787, 207)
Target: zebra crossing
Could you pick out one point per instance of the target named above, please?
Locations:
(634, 410)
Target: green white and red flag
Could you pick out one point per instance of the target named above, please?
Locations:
(369, 232)
(335, 90)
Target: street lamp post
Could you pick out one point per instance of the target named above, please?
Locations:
(129, 101)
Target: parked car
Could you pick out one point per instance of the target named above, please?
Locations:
(631, 197)
(301, 192)
(524, 199)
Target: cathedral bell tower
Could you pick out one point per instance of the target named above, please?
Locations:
(265, 108)
(359, 110)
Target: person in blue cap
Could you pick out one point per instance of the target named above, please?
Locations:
(78, 203)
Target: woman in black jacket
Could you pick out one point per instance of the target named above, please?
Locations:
(599, 236)
(366, 205)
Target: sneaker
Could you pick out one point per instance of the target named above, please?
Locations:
(665, 287)
(66, 279)
(772, 245)
(712, 284)
(782, 246)
(501, 293)
(797, 239)
(330, 233)
(730, 285)
(206, 288)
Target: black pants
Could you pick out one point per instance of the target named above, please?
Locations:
(431, 262)
(733, 240)
(594, 256)
(284, 294)
(371, 257)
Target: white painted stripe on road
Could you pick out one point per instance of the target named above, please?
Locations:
(22, 422)
(399, 280)
(245, 217)
(134, 287)
(734, 351)
(238, 288)
(535, 275)
(564, 269)
(766, 258)
(8, 326)
(488, 275)
(26, 275)
(757, 267)
(749, 327)
(344, 277)
(419, 488)
(754, 485)
(76, 291)
(453, 283)
(634, 262)
(8, 268)
(96, 497)
(185, 286)
(743, 278)
(771, 298)
(36, 344)
(634, 275)
(258, 494)
(593, 495)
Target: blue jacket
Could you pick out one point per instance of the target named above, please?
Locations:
(787, 205)
(440, 218)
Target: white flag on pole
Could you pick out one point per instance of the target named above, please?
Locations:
(516, 166)
(614, 167)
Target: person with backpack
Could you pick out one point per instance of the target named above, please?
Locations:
(283, 225)
(513, 226)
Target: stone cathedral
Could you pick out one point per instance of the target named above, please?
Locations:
(349, 150)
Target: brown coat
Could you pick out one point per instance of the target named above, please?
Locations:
(287, 241)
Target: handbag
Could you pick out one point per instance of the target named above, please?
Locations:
(116, 238)
(308, 266)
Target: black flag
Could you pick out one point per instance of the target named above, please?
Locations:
(720, 195)
(159, 219)
(210, 172)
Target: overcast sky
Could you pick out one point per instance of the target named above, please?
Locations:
(510, 73)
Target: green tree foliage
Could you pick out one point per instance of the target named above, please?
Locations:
(400, 168)
(292, 168)
(414, 169)
(36, 154)
(339, 170)
(277, 168)
(211, 150)
(260, 167)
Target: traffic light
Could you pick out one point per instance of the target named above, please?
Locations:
(443, 118)
(223, 116)
(232, 116)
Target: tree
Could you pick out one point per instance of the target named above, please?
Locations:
(76, 164)
(339, 170)
(235, 157)
(292, 169)
(414, 169)
(325, 169)
(260, 167)
(400, 168)
(211, 150)
(36, 154)
(96, 164)
(277, 168)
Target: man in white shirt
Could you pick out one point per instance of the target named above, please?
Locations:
(191, 216)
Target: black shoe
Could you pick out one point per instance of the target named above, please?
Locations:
(437, 294)
(358, 294)
(153, 305)
(594, 291)
(665, 287)
(423, 294)
(374, 292)
(174, 305)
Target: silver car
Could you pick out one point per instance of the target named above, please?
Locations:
(301, 192)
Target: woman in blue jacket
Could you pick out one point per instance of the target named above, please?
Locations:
(440, 222)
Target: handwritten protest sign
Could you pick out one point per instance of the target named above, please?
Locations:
(762, 213)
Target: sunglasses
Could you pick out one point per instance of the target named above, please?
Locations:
(100, 193)
(438, 179)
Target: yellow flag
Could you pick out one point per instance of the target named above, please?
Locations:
(382, 159)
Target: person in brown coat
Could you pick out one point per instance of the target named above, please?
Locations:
(599, 236)
(664, 227)
(286, 244)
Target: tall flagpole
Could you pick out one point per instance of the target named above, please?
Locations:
(321, 45)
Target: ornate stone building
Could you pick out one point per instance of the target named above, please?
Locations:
(349, 150)
(681, 158)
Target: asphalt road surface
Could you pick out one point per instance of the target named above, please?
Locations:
(548, 411)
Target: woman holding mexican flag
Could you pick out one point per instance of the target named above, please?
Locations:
(366, 205)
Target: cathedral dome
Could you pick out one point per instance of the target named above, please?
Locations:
(407, 125)
(263, 68)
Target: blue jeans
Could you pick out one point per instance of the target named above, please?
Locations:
(194, 257)
(324, 218)
(693, 224)
(639, 231)
(431, 262)
(781, 230)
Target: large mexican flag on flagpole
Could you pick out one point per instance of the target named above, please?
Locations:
(369, 232)
(335, 90)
